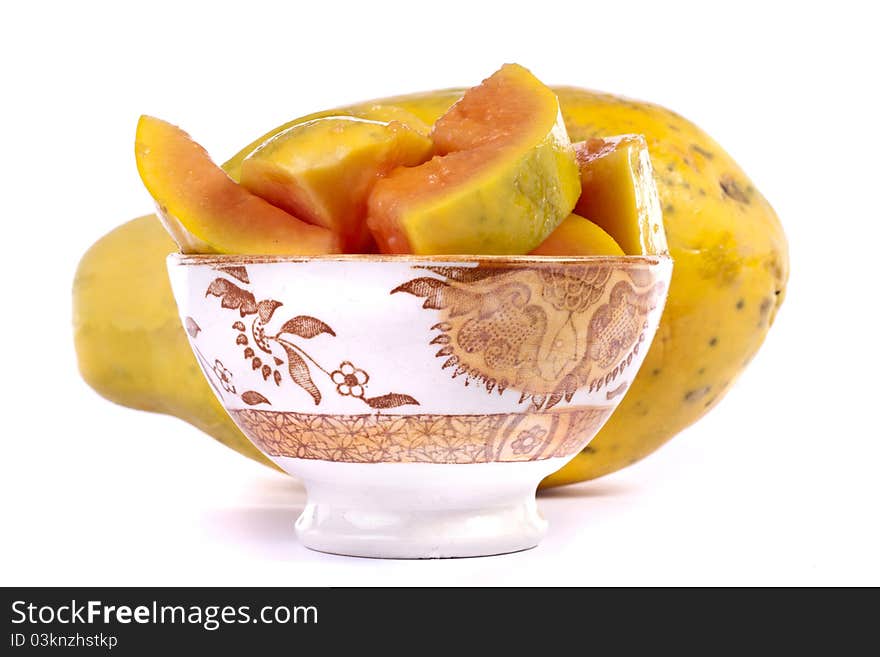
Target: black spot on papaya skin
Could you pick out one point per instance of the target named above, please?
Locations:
(732, 190)
(701, 371)
(764, 313)
(589, 449)
(740, 304)
(669, 208)
(698, 393)
(713, 341)
(702, 151)
(775, 267)
(655, 371)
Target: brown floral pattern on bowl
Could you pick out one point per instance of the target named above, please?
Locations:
(544, 331)
(492, 360)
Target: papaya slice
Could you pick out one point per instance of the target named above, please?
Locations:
(323, 171)
(618, 192)
(207, 212)
(577, 236)
(503, 177)
(370, 111)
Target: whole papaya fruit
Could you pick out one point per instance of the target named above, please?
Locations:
(128, 335)
(731, 270)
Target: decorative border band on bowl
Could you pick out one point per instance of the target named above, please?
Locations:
(426, 438)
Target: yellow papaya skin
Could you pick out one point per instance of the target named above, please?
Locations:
(128, 336)
(729, 280)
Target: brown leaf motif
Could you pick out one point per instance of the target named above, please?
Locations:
(232, 296)
(252, 398)
(238, 273)
(305, 327)
(299, 372)
(266, 308)
(391, 400)
(440, 295)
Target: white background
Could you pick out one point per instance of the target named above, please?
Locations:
(778, 485)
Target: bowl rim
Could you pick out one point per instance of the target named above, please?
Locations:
(178, 258)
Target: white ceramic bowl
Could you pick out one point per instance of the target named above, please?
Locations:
(420, 399)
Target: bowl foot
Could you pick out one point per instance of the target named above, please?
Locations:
(422, 510)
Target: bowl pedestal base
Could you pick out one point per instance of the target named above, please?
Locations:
(420, 510)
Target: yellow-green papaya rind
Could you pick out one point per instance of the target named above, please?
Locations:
(529, 214)
(129, 342)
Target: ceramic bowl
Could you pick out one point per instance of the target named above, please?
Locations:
(420, 399)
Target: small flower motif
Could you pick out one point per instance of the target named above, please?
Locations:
(526, 441)
(224, 376)
(350, 380)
